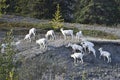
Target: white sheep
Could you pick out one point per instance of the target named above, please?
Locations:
(79, 35)
(66, 33)
(50, 33)
(28, 36)
(42, 43)
(76, 56)
(3, 46)
(105, 54)
(75, 47)
(91, 49)
(85, 44)
(32, 31)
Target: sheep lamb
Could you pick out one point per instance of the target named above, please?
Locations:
(50, 33)
(28, 37)
(105, 54)
(75, 47)
(79, 35)
(42, 43)
(76, 56)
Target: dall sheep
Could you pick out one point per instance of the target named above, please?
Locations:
(87, 44)
(42, 43)
(76, 56)
(3, 46)
(75, 47)
(79, 35)
(91, 49)
(50, 33)
(32, 31)
(66, 33)
(105, 54)
(28, 36)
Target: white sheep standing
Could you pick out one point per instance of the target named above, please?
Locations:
(50, 33)
(75, 47)
(28, 37)
(105, 54)
(42, 43)
(91, 49)
(79, 35)
(66, 33)
(86, 44)
(76, 56)
(32, 31)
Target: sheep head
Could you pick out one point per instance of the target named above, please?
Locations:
(73, 56)
(100, 49)
(61, 29)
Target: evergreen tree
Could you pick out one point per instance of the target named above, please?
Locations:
(56, 21)
(97, 11)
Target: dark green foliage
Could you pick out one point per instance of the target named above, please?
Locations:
(97, 11)
(84, 11)
(7, 67)
(41, 8)
(3, 6)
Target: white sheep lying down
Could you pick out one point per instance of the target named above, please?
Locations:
(75, 47)
(105, 54)
(42, 43)
(50, 33)
(77, 56)
(67, 33)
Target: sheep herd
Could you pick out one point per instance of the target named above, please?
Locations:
(79, 50)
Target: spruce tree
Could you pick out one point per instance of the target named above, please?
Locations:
(57, 20)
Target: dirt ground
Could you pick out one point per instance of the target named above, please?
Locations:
(56, 63)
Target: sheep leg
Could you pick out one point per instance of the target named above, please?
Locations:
(34, 34)
(52, 37)
(30, 39)
(72, 37)
(81, 60)
(110, 59)
(74, 60)
(40, 46)
(64, 37)
(104, 58)
(94, 54)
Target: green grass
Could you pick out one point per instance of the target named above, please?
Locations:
(45, 26)
(100, 34)
(48, 26)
